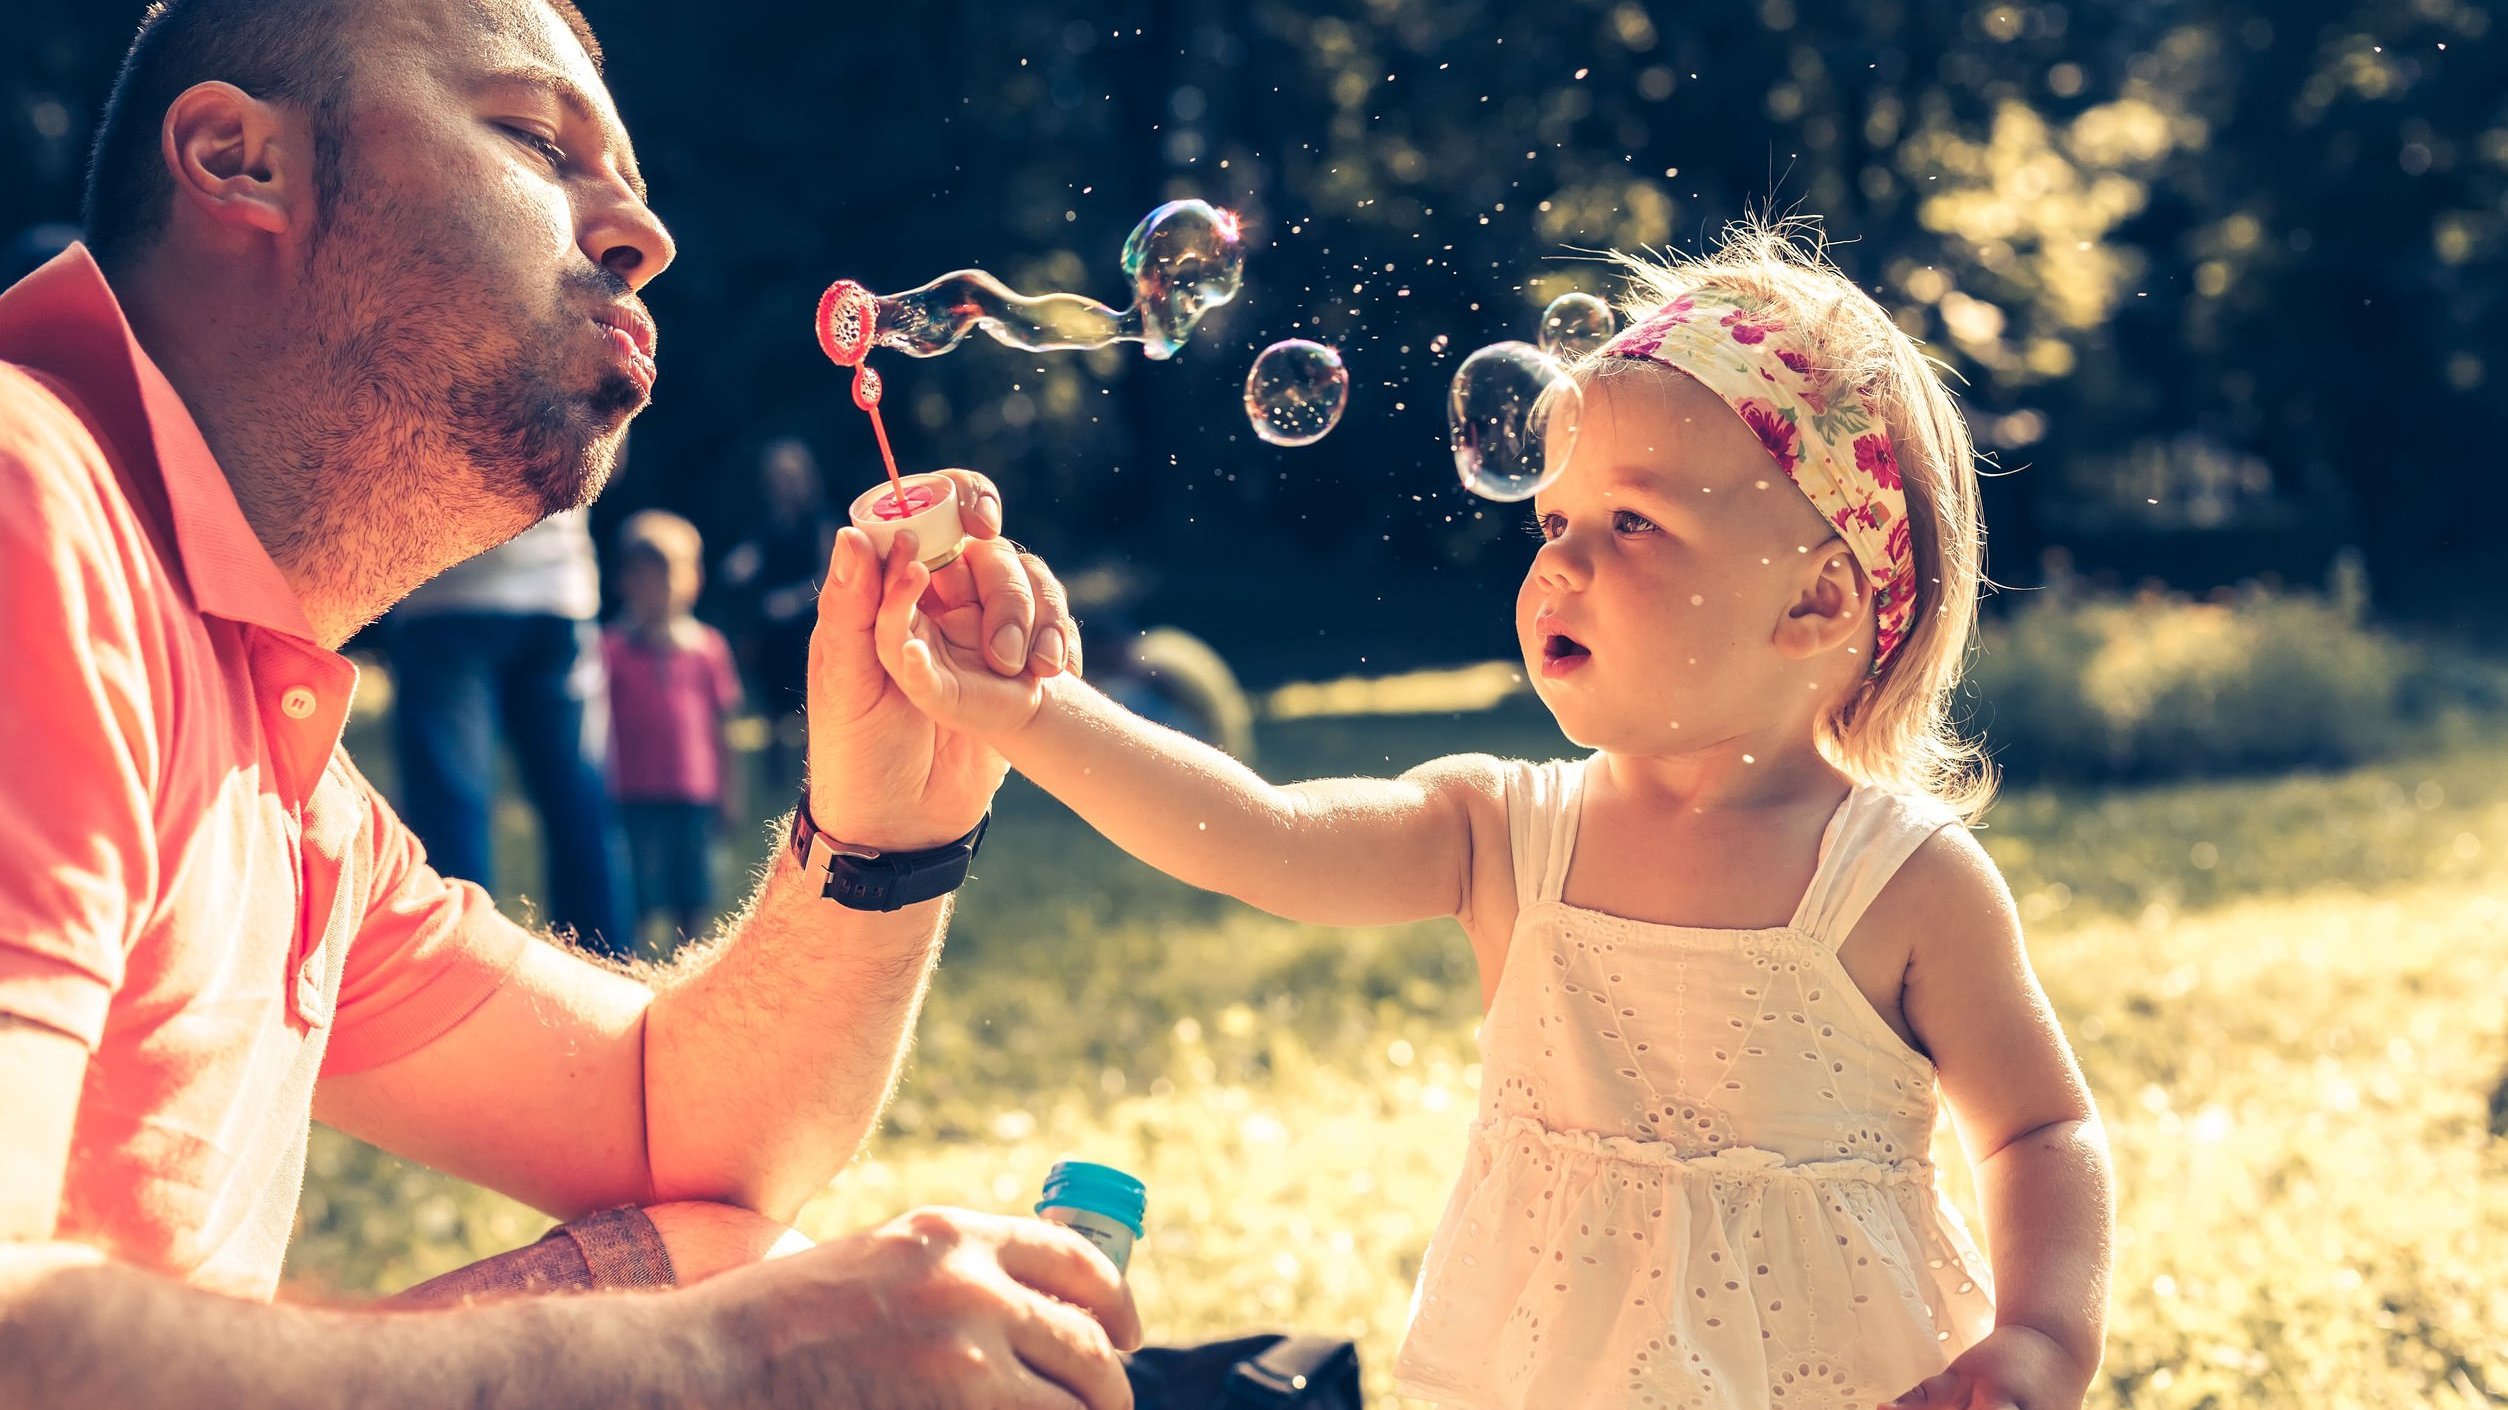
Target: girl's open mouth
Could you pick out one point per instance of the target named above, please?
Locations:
(1562, 654)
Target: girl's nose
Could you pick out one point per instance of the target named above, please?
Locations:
(1562, 565)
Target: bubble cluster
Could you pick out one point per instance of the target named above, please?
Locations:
(1295, 392)
(1512, 414)
(1575, 325)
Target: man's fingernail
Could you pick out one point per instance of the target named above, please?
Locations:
(1010, 644)
(1049, 647)
(989, 506)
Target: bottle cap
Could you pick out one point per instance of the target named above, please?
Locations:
(932, 503)
(1100, 1189)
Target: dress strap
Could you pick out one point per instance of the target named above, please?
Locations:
(1869, 838)
(1543, 801)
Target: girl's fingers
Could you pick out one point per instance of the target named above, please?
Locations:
(1008, 601)
(979, 503)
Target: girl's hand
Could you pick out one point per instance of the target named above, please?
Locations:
(2013, 1368)
(884, 773)
(940, 656)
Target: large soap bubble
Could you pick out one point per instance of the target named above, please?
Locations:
(1511, 415)
(1295, 392)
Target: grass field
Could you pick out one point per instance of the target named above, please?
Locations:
(2288, 994)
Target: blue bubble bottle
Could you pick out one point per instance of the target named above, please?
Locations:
(1099, 1203)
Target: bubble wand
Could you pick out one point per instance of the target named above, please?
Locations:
(1184, 259)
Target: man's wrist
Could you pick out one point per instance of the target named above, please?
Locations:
(868, 879)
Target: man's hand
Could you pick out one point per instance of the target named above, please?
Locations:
(2013, 1368)
(882, 773)
(939, 1308)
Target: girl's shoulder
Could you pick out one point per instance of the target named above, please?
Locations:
(1947, 883)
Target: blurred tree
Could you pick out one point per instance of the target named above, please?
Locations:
(2211, 271)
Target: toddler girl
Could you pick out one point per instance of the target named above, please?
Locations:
(1728, 958)
(673, 694)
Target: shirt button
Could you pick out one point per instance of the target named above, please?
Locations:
(297, 703)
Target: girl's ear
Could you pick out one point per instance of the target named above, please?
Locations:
(1833, 608)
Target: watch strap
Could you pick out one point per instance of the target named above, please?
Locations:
(863, 880)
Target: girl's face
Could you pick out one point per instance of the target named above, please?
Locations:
(645, 585)
(1672, 550)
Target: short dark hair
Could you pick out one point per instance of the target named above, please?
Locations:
(291, 51)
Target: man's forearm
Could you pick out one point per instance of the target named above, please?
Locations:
(76, 1330)
(769, 1056)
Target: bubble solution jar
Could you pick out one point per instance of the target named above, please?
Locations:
(1099, 1203)
(930, 509)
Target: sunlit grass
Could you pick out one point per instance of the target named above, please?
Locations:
(2286, 993)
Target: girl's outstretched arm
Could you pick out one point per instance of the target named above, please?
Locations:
(1333, 851)
(2026, 1118)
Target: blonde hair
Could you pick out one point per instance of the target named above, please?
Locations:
(661, 537)
(1895, 728)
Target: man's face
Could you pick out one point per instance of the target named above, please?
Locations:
(477, 278)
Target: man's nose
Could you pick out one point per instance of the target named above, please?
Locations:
(626, 238)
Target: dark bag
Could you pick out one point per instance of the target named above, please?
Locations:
(1247, 1373)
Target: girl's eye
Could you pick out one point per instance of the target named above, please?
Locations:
(1546, 526)
(1629, 521)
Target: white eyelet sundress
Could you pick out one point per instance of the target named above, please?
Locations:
(1700, 1173)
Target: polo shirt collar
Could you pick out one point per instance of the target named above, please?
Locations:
(64, 320)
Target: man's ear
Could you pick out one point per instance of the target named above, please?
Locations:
(1832, 608)
(239, 162)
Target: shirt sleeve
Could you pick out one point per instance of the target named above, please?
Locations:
(78, 855)
(430, 950)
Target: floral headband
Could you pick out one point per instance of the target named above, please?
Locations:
(1833, 447)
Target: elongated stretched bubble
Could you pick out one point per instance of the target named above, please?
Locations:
(1512, 414)
(1574, 325)
(1184, 259)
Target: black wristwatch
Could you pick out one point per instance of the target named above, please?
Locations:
(864, 880)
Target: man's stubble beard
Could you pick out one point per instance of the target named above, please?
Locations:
(436, 435)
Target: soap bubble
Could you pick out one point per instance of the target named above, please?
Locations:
(1184, 259)
(1295, 392)
(1511, 416)
(1574, 325)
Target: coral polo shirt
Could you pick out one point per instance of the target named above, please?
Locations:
(195, 882)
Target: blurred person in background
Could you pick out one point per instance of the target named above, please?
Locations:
(771, 579)
(506, 647)
(673, 693)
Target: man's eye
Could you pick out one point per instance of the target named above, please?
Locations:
(555, 153)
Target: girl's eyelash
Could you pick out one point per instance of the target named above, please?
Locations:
(1536, 525)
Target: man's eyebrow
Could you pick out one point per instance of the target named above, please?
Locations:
(575, 101)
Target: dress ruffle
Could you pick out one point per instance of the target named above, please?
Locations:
(1607, 1270)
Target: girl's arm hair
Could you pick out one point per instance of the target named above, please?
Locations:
(2023, 1111)
(1344, 851)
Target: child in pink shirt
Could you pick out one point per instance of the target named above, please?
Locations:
(672, 692)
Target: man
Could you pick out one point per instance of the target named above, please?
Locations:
(362, 302)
